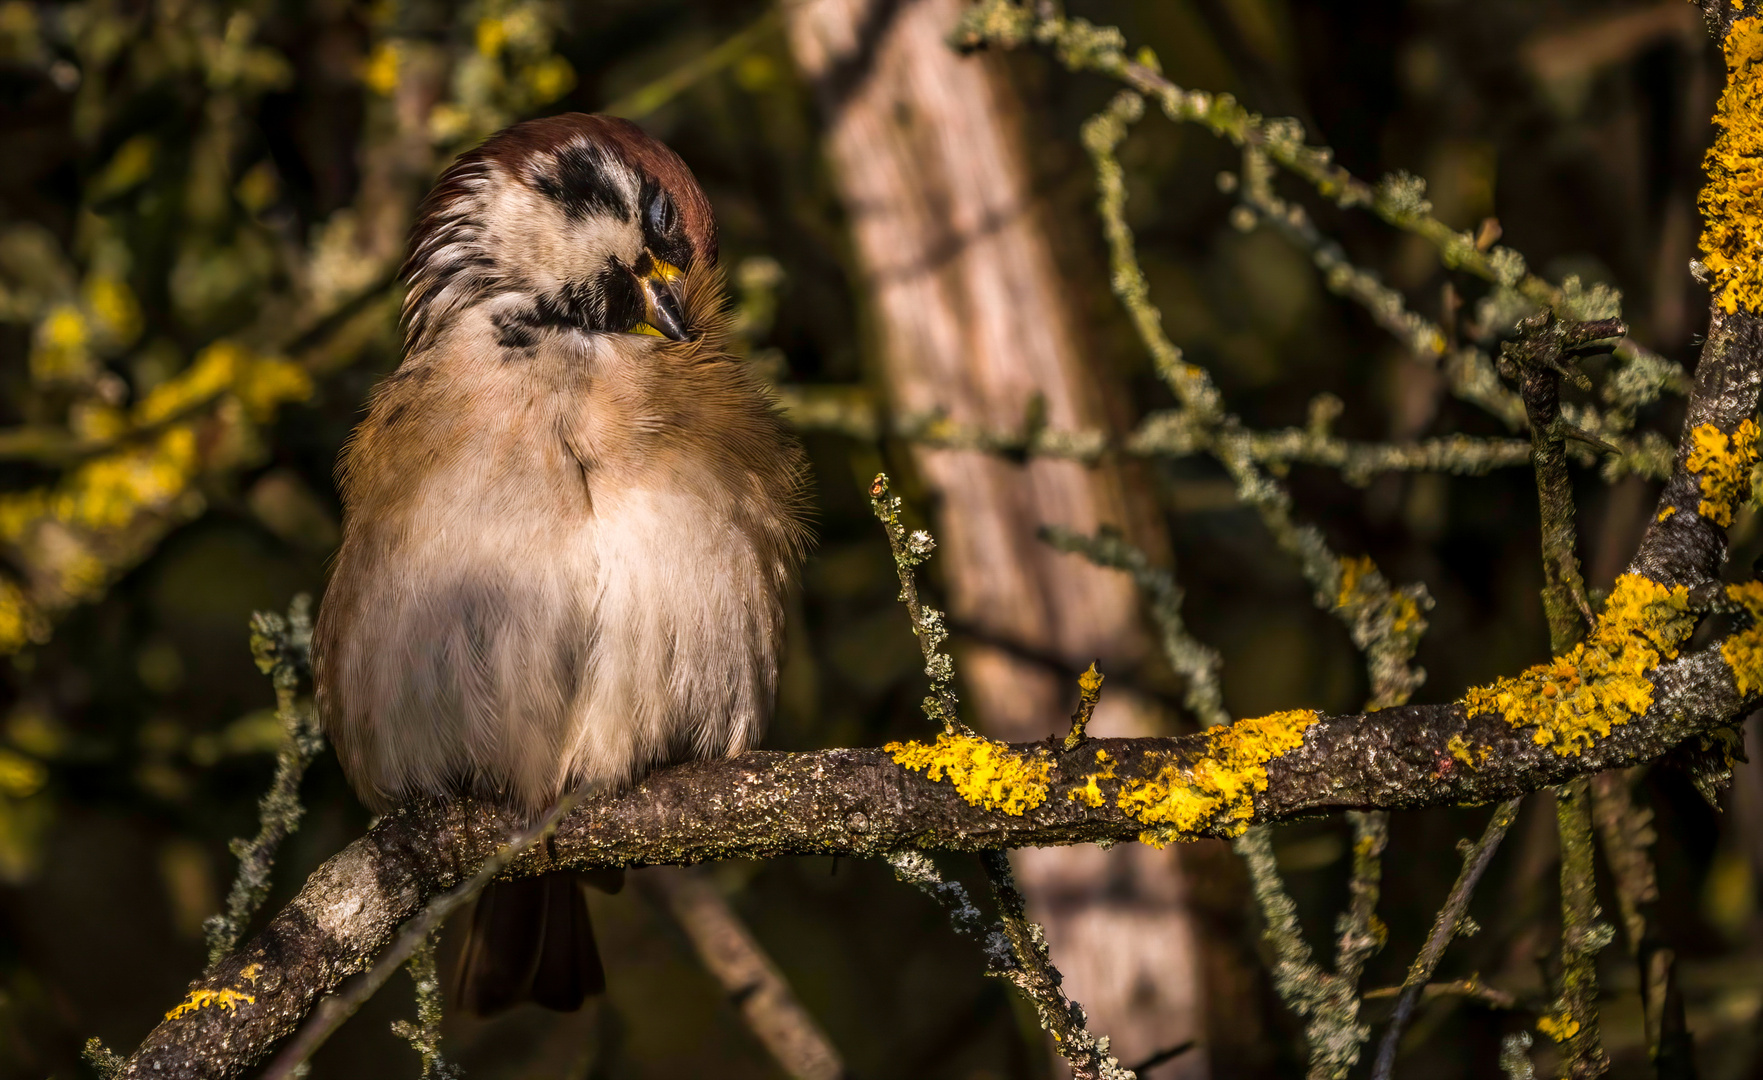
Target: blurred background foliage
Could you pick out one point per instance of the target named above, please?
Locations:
(202, 207)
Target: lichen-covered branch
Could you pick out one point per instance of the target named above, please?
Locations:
(1400, 199)
(865, 803)
(991, 774)
(412, 938)
(928, 624)
(281, 647)
(1573, 1018)
(852, 411)
(424, 1035)
(1016, 951)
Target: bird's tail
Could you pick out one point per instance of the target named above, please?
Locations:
(530, 940)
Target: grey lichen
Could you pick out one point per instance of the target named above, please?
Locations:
(282, 648)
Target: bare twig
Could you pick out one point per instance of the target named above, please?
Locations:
(1445, 927)
(1472, 988)
(1626, 835)
(735, 959)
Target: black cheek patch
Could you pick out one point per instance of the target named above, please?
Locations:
(517, 328)
(617, 305)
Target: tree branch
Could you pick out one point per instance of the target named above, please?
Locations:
(862, 803)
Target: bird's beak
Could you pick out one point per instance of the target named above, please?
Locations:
(661, 308)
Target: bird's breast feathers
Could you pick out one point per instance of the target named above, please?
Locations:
(571, 571)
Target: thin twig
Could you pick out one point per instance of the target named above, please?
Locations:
(1472, 988)
(424, 1036)
(1444, 928)
(1573, 1018)
(281, 647)
(928, 624)
(1626, 835)
(752, 981)
(1025, 961)
(1034, 974)
(1089, 692)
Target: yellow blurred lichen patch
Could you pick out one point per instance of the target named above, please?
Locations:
(990, 775)
(549, 79)
(1732, 200)
(1743, 651)
(1559, 1028)
(1725, 464)
(61, 351)
(107, 491)
(114, 311)
(20, 621)
(259, 382)
(20, 777)
(202, 999)
(1354, 572)
(1665, 513)
(1217, 788)
(380, 73)
(1602, 682)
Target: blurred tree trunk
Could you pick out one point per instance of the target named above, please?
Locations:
(974, 320)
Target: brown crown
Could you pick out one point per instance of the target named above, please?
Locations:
(522, 145)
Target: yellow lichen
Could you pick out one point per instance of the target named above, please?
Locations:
(1743, 651)
(1560, 1028)
(1091, 793)
(1725, 464)
(202, 999)
(20, 622)
(1602, 682)
(380, 73)
(1354, 571)
(1217, 788)
(259, 382)
(115, 312)
(1665, 513)
(990, 775)
(20, 777)
(61, 351)
(1474, 757)
(1732, 200)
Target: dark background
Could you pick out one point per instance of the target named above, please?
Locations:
(1579, 125)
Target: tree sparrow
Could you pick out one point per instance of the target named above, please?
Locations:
(569, 518)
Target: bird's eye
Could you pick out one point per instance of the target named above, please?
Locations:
(661, 215)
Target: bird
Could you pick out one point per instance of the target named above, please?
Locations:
(571, 518)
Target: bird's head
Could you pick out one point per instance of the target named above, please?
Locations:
(574, 223)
